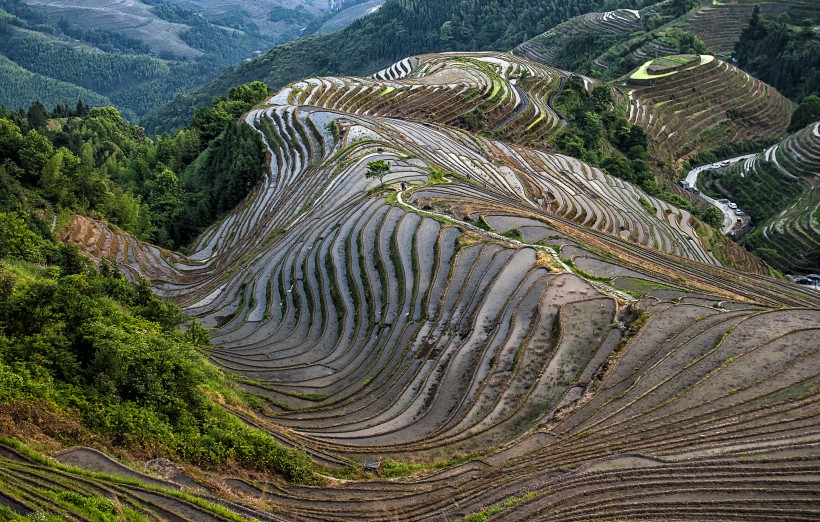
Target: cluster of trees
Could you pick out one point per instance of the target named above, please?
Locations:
(781, 54)
(87, 344)
(600, 134)
(806, 113)
(398, 29)
(165, 190)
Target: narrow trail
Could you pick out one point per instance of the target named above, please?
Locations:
(524, 105)
(556, 93)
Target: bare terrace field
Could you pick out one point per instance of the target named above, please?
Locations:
(521, 310)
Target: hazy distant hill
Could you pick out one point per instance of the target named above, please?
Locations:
(138, 54)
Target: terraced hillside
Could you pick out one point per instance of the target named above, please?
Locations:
(495, 92)
(691, 105)
(552, 47)
(569, 336)
(612, 43)
(778, 188)
(31, 486)
(719, 24)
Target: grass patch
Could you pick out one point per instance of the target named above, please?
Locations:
(394, 468)
(514, 234)
(483, 224)
(485, 514)
(647, 206)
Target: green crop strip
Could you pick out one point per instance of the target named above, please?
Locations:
(487, 513)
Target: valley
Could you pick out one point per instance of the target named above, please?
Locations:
(470, 285)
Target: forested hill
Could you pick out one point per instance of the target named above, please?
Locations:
(782, 54)
(135, 55)
(400, 28)
(164, 191)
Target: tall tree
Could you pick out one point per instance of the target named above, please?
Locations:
(37, 115)
(377, 169)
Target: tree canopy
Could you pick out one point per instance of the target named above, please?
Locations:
(377, 169)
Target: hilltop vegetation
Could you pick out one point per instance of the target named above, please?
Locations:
(92, 161)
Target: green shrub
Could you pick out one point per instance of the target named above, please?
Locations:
(113, 354)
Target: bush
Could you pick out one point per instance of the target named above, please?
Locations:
(88, 341)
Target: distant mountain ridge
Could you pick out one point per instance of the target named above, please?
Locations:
(137, 55)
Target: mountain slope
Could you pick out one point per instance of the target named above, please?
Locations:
(396, 30)
(692, 103)
(720, 24)
(561, 325)
(609, 44)
(778, 189)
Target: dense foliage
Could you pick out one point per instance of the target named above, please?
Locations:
(780, 54)
(94, 162)
(398, 29)
(600, 134)
(86, 343)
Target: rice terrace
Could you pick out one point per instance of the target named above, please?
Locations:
(447, 296)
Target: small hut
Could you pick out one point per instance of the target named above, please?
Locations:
(373, 466)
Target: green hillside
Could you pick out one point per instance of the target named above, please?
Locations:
(135, 56)
(778, 189)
